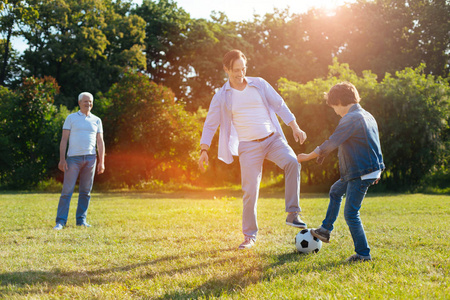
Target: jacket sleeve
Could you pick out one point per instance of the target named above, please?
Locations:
(345, 129)
(212, 121)
(277, 103)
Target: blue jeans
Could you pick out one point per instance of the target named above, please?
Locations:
(355, 191)
(251, 157)
(83, 166)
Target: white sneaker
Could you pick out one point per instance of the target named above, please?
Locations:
(248, 243)
(58, 227)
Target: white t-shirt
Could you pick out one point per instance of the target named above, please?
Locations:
(373, 175)
(83, 133)
(250, 116)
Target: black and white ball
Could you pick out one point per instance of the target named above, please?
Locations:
(306, 243)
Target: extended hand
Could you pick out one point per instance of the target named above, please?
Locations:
(202, 161)
(299, 135)
(303, 157)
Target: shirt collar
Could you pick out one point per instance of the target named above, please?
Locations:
(355, 107)
(228, 86)
(81, 114)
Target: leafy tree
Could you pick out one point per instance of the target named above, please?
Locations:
(279, 43)
(207, 42)
(431, 31)
(30, 131)
(6, 156)
(166, 33)
(85, 45)
(185, 54)
(375, 35)
(412, 112)
(381, 36)
(13, 14)
(11, 67)
(385, 36)
(148, 134)
(125, 34)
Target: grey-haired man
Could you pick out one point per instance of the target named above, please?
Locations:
(84, 131)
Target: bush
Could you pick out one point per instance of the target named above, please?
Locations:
(30, 131)
(148, 135)
(412, 112)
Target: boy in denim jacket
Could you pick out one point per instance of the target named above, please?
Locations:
(360, 165)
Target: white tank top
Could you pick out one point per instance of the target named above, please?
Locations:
(250, 116)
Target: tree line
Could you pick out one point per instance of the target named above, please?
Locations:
(153, 70)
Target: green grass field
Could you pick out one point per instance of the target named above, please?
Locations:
(179, 246)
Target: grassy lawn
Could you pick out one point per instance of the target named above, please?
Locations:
(182, 246)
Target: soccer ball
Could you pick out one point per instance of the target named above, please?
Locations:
(306, 243)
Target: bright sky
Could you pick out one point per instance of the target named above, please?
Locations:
(239, 10)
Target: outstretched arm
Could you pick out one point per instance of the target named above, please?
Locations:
(305, 157)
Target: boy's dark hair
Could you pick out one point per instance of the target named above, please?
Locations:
(343, 94)
(231, 56)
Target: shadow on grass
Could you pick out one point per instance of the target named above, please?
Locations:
(240, 279)
(236, 281)
(58, 277)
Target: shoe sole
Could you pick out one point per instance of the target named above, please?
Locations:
(357, 260)
(245, 248)
(296, 225)
(319, 237)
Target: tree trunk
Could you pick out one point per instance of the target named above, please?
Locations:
(5, 58)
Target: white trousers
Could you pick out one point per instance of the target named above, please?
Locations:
(251, 158)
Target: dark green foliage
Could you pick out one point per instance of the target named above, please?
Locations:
(13, 15)
(9, 65)
(166, 36)
(30, 130)
(185, 54)
(84, 45)
(412, 111)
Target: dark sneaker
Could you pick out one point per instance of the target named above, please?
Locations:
(84, 225)
(293, 219)
(248, 243)
(321, 234)
(357, 258)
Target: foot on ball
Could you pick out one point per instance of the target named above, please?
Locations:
(293, 219)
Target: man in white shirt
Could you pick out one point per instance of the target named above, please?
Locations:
(246, 109)
(83, 130)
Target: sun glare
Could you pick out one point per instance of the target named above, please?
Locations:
(328, 6)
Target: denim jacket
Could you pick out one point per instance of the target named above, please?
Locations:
(358, 140)
(220, 114)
